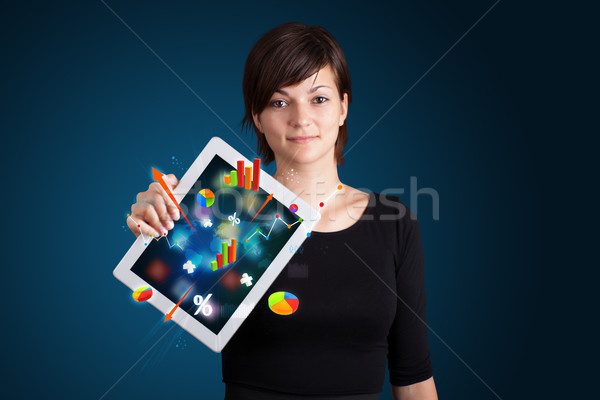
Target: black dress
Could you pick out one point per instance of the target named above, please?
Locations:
(361, 296)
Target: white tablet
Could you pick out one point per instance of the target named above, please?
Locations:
(212, 268)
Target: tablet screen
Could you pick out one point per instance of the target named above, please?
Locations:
(233, 244)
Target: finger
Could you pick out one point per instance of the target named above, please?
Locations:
(133, 227)
(151, 218)
(172, 182)
(161, 210)
(158, 189)
(138, 227)
(148, 231)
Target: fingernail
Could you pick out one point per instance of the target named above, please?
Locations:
(170, 225)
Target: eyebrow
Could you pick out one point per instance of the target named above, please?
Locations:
(312, 90)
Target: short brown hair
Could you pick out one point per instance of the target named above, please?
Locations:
(285, 56)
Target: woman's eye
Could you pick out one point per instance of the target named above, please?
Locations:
(321, 99)
(278, 103)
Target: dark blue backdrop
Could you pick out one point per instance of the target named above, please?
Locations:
(87, 109)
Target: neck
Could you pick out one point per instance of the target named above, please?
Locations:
(313, 182)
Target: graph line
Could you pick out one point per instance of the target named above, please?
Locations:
(277, 218)
(150, 237)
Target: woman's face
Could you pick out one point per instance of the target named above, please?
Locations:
(301, 122)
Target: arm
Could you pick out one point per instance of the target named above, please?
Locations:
(419, 391)
(409, 363)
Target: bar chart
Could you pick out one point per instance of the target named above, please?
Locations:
(226, 256)
(247, 177)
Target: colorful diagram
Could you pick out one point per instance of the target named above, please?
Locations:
(283, 303)
(226, 257)
(277, 218)
(205, 197)
(142, 294)
(245, 177)
(294, 208)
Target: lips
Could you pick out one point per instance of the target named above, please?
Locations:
(302, 139)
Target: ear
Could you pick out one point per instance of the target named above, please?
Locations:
(257, 122)
(344, 109)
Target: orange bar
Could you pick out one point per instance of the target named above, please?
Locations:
(233, 250)
(220, 260)
(228, 179)
(248, 177)
(256, 177)
(240, 173)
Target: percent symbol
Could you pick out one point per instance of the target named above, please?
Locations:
(202, 305)
(233, 219)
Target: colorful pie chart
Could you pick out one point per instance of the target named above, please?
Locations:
(293, 208)
(283, 303)
(142, 294)
(205, 197)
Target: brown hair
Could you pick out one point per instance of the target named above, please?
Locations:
(285, 56)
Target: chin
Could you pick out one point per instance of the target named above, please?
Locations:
(303, 156)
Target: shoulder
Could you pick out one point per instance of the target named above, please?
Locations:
(356, 201)
(386, 207)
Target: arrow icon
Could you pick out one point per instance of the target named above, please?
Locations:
(170, 314)
(264, 204)
(158, 176)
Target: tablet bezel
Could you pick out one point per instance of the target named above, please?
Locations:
(216, 342)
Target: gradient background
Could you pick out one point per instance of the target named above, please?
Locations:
(495, 128)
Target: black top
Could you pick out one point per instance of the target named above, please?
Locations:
(349, 317)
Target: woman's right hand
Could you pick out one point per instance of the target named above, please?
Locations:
(154, 211)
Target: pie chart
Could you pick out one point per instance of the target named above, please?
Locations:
(293, 208)
(142, 294)
(205, 197)
(283, 303)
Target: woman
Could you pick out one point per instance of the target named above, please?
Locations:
(360, 276)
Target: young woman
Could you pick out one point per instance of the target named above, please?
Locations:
(360, 276)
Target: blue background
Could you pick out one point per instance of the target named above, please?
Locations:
(87, 109)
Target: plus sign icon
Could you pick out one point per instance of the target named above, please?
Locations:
(189, 267)
(246, 280)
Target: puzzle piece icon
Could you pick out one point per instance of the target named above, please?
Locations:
(189, 267)
(246, 280)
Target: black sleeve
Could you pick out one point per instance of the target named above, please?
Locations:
(408, 350)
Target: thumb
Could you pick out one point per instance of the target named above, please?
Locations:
(171, 180)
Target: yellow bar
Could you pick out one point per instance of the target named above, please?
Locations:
(234, 247)
(248, 177)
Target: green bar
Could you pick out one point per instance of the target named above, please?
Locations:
(213, 265)
(224, 246)
(234, 178)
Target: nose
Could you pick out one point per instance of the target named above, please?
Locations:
(300, 116)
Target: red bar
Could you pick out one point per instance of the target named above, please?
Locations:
(230, 254)
(241, 173)
(220, 260)
(256, 174)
